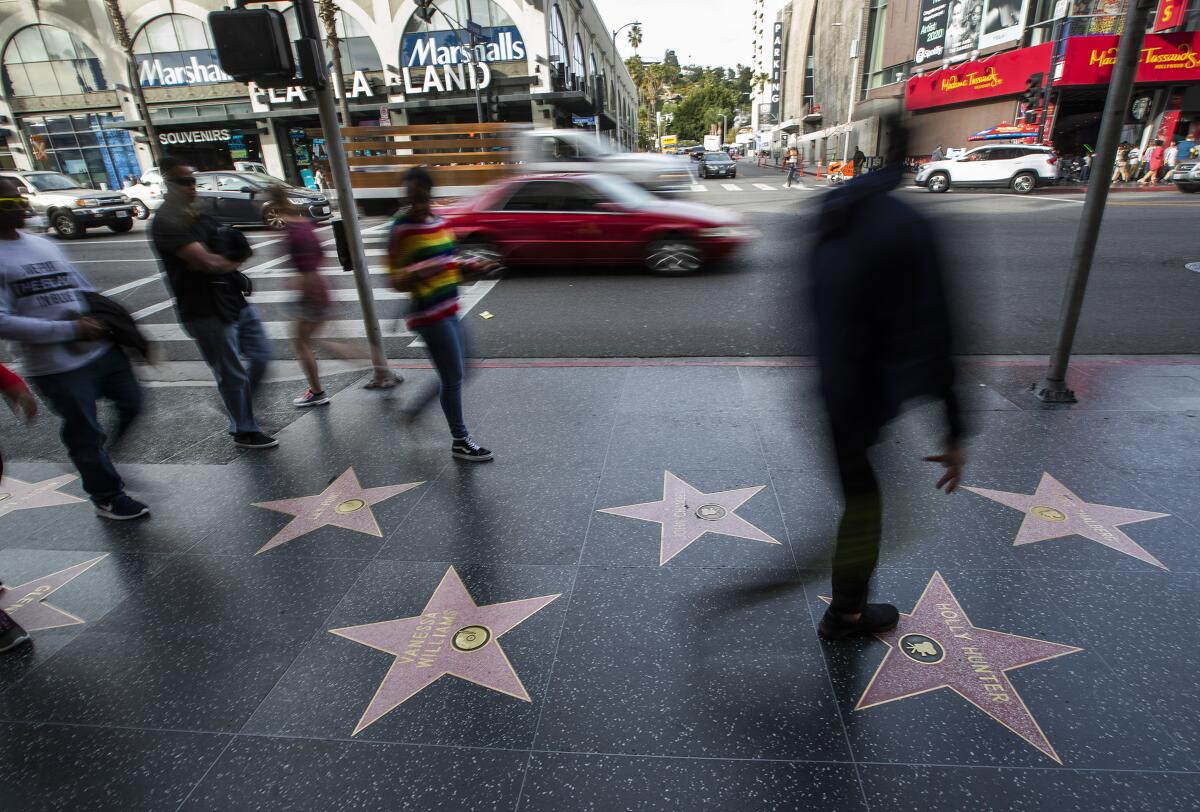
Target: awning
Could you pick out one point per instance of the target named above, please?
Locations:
(1002, 132)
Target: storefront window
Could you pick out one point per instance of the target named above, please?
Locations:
(89, 148)
(42, 60)
(174, 50)
(558, 37)
(577, 61)
(355, 46)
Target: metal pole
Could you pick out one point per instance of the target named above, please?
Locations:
(1053, 387)
(327, 110)
(474, 60)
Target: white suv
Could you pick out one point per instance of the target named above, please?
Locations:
(147, 194)
(1019, 167)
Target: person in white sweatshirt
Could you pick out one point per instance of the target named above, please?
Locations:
(64, 354)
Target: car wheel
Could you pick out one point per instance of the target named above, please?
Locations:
(121, 227)
(674, 256)
(1024, 183)
(140, 210)
(480, 250)
(272, 217)
(938, 182)
(64, 226)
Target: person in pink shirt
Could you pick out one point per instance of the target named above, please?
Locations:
(1154, 160)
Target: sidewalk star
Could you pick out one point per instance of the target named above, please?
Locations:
(937, 646)
(344, 503)
(26, 603)
(452, 635)
(686, 514)
(1055, 512)
(17, 495)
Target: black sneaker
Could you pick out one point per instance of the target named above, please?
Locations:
(468, 449)
(121, 508)
(254, 439)
(876, 617)
(11, 633)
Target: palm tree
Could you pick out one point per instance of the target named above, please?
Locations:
(121, 31)
(328, 12)
(635, 36)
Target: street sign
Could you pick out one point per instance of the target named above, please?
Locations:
(583, 121)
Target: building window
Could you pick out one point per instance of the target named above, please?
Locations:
(43, 60)
(873, 63)
(174, 50)
(558, 37)
(85, 147)
(355, 46)
(577, 69)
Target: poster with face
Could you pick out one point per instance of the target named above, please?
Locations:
(1002, 22)
(962, 27)
(931, 31)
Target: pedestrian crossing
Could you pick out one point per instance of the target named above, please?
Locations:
(273, 295)
(751, 187)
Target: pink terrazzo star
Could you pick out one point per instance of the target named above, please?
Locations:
(451, 636)
(17, 495)
(686, 514)
(1054, 512)
(345, 503)
(936, 646)
(26, 603)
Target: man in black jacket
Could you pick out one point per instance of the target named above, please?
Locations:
(883, 337)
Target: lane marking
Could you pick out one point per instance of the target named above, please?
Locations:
(699, 188)
(766, 187)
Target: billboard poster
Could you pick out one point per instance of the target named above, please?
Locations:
(962, 28)
(931, 31)
(1003, 21)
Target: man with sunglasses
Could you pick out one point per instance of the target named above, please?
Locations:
(210, 303)
(64, 352)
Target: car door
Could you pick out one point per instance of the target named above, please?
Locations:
(973, 167)
(234, 205)
(522, 222)
(603, 230)
(206, 195)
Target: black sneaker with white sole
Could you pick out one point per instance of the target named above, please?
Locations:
(254, 439)
(469, 450)
(121, 508)
(11, 633)
(875, 618)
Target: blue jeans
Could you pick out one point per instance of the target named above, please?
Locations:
(223, 345)
(447, 345)
(73, 395)
(793, 175)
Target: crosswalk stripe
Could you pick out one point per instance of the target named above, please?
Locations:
(280, 330)
(766, 187)
(731, 187)
(699, 188)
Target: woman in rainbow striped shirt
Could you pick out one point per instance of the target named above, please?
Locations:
(423, 261)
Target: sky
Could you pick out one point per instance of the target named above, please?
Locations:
(701, 32)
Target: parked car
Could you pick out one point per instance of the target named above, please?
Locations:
(69, 208)
(243, 198)
(1021, 168)
(1187, 175)
(147, 194)
(568, 219)
(717, 165)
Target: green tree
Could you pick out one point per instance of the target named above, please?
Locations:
(635, 37)
(702, 108)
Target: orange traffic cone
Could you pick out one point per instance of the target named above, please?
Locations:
(820, 166)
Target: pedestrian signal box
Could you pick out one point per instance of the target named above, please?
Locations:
(252, 46)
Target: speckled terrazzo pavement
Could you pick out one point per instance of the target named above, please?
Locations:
(619, 613)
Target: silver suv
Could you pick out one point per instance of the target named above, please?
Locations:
(1019, 167)
(70, 209)
(1187, 175)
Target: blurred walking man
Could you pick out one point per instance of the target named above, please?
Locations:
(883, 337)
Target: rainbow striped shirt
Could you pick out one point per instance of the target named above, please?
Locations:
(430, 244)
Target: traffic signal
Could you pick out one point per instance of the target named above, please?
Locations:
(252, 46)
(425, 10)
(1031, 97)
(493, 106)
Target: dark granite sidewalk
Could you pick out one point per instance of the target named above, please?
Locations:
(619, 613)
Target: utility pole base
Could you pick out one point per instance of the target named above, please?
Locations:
(384, 379)
(1048, 391)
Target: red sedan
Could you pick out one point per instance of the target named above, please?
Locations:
(566, 219)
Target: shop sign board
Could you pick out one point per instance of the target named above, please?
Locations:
(1170, 15)
(193, 137)
(963, 24)
(181, 69)
(1004, 74)
(408, 82)
(951, 30)
(500, 43)
(1164, 58)
(931, 30)
(776, 70)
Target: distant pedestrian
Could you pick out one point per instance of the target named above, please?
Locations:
(860, 162)
(14, 390)
(883, 337)
(792, 164)
(1170, 159)
(423, 261)
(211, 302)
(939, 153)
(1135, 163)
(1154, 163)
(319, 180)
(1121, 166)
(65, 353)
(1085, 167)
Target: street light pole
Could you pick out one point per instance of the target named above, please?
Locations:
(616, 59)
(306, 16)
(1053, 387)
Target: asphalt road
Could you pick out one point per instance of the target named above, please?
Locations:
(1007, 257)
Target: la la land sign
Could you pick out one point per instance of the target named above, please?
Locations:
(447, 78)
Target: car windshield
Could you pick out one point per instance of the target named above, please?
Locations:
(51, 182)
(717, 157)
(260, 181)
(619, 190)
